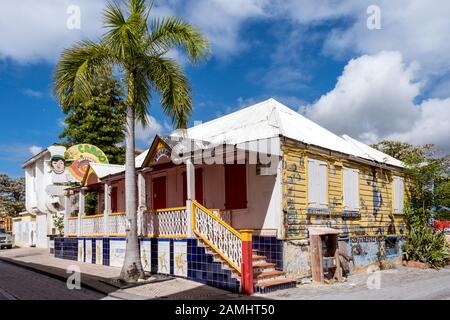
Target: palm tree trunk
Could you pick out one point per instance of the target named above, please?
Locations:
(132, 268)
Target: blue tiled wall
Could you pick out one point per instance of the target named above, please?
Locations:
(66, 248)
(270, 247)
(202, 268)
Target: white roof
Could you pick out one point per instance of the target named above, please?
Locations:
(140, 158)
(270, 119)
(103, 170)
(371, 153)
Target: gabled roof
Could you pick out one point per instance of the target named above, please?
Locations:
(270, 119)
(101, 171)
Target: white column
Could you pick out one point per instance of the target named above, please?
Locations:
(142, 203)
(190, 180)
(67, 210)
(107, 209)
(81, 207)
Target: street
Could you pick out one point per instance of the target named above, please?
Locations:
(17, 283)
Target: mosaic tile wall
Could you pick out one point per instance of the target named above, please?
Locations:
(202, 268)
(270, 247)
(177, 257)
(66, 248)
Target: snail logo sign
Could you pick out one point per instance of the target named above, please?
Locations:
(80, 156)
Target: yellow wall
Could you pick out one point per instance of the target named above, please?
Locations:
(372, 221)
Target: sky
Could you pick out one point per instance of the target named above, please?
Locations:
(370, 69)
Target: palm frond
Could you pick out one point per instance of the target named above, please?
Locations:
(122, 36)
(77, 70)
(170, 33)
(169, 80)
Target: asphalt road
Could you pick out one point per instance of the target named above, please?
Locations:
(17, 283)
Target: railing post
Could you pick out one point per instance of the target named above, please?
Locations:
(142, 203)
(81, 206)
(66, 213)
(247, 262)
(190, 180)
(107, 209)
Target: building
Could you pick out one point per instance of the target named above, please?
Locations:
(253, 200)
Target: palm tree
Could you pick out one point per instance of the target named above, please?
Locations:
(134, 50)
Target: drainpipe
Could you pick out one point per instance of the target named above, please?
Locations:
(142, 205)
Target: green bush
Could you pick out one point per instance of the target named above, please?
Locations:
(423, 243)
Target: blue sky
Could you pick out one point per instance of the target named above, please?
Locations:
(317, 57)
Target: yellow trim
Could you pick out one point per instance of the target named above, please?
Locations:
(171, 236)
(72, 218)
(208, 212)
(165, 210)
(117, 235)
(92, 217)
(117, 214)
(93, 235)
(72, 235)
(247, 234)
(307, 179)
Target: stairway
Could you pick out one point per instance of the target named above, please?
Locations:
(265, 277)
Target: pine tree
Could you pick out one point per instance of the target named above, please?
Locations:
(99, 120)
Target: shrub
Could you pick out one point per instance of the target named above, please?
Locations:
(423, 243)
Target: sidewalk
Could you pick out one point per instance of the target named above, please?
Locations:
(40, 260)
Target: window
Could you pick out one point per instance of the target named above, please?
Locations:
(235, 186)
(317, 184)
(351, 189)
(399, 195)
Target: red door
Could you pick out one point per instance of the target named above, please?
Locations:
(198, 186)
(159, 193)
(114, 200)
(235, 186)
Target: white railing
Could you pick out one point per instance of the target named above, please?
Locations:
(221, 237)
(225, 216)
(93, 225)
(71, 226)
(168, 223)
(117, 224)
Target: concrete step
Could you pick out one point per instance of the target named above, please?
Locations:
(276, 284)
(268, 274)
(256, 258)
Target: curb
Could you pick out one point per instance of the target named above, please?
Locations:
(92, 282)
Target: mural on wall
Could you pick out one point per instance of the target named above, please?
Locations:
(81, 250)
(146, 250)
(99, 251)
(180, 258)
(88, 249)
(163, 256)
(116, 252)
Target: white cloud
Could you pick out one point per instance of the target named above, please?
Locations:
(374, 99)
(32, 93)
(37, 30)
(144, 136)
(34, 150)
(416, 28)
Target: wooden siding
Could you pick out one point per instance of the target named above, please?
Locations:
(376, 216)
